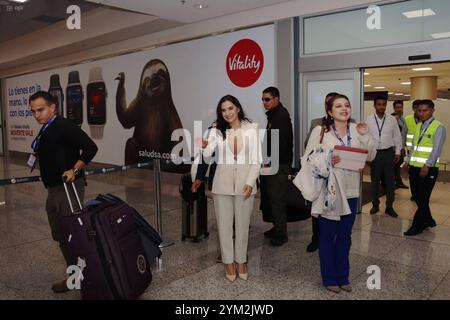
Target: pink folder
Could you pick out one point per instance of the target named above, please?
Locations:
(351, 158)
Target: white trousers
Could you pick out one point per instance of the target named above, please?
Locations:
(231, 209)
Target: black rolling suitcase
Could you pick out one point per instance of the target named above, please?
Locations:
(194, 210)
(104, 239)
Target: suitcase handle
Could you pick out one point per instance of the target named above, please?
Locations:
(68, 196)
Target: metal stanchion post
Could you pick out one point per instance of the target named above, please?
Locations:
(361, 176)
(157, 174)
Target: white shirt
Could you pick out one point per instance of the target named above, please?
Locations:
(385, 132)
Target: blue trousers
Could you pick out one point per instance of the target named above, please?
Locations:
(334, 246)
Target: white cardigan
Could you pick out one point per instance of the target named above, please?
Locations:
(232, 175)
(351, 180)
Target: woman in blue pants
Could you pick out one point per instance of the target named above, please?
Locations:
(336, 228)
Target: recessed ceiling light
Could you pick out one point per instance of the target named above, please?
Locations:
(442, 99)
(20, 1)
(419, 13)
(379, 87)
(407, 95)
(398, 94)
(200, 6)
(423, 69)
(367, 85)
(366, 74)
(440, 35)
(406, 83)
(390, 93)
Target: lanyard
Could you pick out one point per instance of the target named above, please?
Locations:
(35, 144)
(378, 126)
(340, 139)
(422, 132)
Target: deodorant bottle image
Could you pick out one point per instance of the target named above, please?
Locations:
(57, 93)
(74, 94)
(96, 98)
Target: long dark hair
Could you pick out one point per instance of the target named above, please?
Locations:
(328, 120)
(220, 122)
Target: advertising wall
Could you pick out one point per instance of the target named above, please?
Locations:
(130, 104)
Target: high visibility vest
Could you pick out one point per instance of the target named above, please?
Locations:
(421, 151)
(411, 125)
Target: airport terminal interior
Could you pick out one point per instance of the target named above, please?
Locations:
(204, 50)
(411, 267)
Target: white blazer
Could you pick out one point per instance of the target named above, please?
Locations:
(233, 174)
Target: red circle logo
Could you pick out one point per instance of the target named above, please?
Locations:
(245, 63)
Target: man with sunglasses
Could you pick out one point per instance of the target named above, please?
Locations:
(277, 183)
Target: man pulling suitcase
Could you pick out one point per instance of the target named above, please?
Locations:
(62, 149)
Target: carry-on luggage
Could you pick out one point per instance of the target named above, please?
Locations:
(103, 240)
(194, 210)
(149, 236)
(297, 208)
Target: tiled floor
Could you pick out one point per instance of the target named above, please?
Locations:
(411, 267)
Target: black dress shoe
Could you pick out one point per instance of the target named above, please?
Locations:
(413, 231)
(269, 233)
(313, 246)
(278, 241)
(429, 224)
(374, 209)
(402, 186)
(391, 212)
(60, 287)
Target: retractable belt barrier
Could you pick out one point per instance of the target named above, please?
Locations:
(157, 171)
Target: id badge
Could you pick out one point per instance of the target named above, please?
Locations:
(32, 161)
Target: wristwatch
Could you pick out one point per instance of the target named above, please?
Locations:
(56, 92)
(76, 171)
(96, 98)
(74, 94)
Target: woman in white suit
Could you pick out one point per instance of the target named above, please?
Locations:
(234, 139)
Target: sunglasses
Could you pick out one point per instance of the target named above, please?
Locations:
(266, 99)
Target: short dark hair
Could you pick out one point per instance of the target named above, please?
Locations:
(331, 94)
(379, 97)
(397, 102)
(416, 103)
(44, 95)
(274, 92)
(427, 102)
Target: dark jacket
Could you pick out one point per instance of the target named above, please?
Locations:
(278, 118)
(203, 168)
(59, 150)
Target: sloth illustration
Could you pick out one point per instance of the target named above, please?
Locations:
(152, 113)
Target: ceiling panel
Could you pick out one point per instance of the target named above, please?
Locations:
(391, 78)
(186, 10)
(17, 19)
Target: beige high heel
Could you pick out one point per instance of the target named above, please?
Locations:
(230, 277)
(243, 276)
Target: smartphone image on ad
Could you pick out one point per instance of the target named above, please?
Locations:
(56, 92)
(74, 94)
(96, 98)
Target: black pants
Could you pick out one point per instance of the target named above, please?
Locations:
(421, 189)
(315, 229)
(277, 190)
(383, 166)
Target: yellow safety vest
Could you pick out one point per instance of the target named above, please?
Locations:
(422, 150)
(412, 126)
